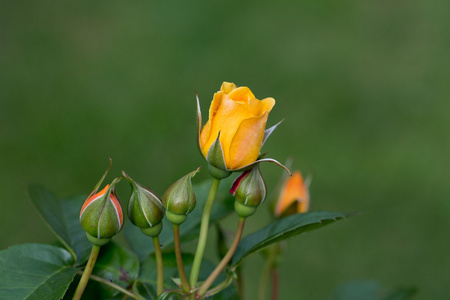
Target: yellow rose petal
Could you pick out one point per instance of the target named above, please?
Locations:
(227, 87)
(240, 118)
(258, 107)
(246, 143)
(226, 120)
(242, 95)
(204, 135)
(266, 105)
(215, 104)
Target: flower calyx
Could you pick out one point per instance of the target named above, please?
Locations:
(179, 199)
(101, 215)
(249, 190)
(145, 208)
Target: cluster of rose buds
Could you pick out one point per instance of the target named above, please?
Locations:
(230, 141)
(102, 218)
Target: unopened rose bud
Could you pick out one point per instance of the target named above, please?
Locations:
(249, 190)
(293, 197)
(179, 199)
(145, 209)
(101, 215)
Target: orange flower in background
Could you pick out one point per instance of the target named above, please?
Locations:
(240, 119)
(294, 197)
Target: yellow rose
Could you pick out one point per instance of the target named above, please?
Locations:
(240, 119)
(294, 196)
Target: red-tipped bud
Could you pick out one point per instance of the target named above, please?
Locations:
(249, 190)
(101, 214)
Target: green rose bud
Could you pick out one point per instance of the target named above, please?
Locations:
(145, 209)
(179, 199)
(101, 214)
(249, 190)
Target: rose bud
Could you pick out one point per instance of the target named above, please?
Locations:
(179, 199)
(101, 214)
(249, 190)
(232, 138)
(293, 197)
(145, 209)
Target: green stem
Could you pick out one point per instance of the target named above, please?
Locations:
(136, 292)
(220, 287)
(159, 266)
(87, 272)
(183, 277)
(203, 232)
(113, 285)
(268, 267)
(275, 283)
(205, 286)
(240, 282)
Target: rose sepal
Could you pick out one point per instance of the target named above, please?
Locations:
(249, 190)
(99, 183)
(145, 208)
(96, 241)
(101, 217)
(179, 199)
(270, 160)
(199, 123)
(216, 161)
(269, 131)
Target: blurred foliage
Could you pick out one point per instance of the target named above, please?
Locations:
(363, 86)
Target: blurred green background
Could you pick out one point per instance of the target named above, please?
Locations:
(363, 85)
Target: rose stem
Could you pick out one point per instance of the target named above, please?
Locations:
(225, 259)
(113, 285)
(87, 272)
(240, 283)
(182, 273)
(275, 283)
(203, 232)
(159, 266)
(268, 267)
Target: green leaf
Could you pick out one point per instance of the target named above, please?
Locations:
(149, 274)
(144, 290)
(221, 243)
(35, 271)
(189, 230)
(283, 229)
(62, 215)
(115, 264)
(166, 294)
(118, 265)
(370, 290)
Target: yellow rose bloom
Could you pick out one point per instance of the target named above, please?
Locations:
(294, 196)
(241, 120)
